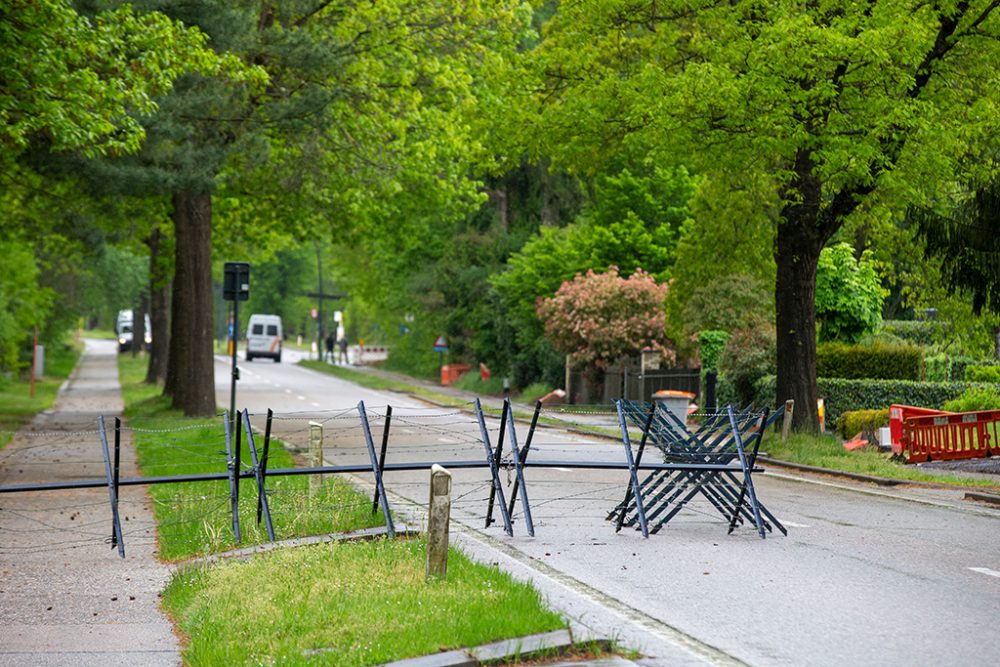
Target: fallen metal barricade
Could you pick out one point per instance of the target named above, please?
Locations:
(712, 461)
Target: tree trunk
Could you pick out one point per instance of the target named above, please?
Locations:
(159, 306)
(191, 371)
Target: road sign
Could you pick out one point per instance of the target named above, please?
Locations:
(441, 345)
(236, 281)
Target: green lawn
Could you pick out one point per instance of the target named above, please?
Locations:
(360, 603)
(18, 406)
(349, 603)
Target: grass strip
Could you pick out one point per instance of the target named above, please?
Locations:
(18, 406)
(195, 518)
(360, 603)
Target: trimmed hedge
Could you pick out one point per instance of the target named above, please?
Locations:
(853, 422)
(841, 396)
(982, 373)
(878, 361)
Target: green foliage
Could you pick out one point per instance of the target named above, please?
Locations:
(937, 367)
(844, 395)
(852, 422)
(729, 302)
(711, 343)
(24, 302)
(975, 399)
(920, 332)
(979, 373)
(878, 361)
(849, 294)
(81, 82)
(749, 355)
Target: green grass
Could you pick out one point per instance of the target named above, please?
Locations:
(828, 452)
(18, 406)
(194, 518)
(360, 603)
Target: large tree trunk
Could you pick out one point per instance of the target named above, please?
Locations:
(191, 372)
(159, 306)
(801, 237)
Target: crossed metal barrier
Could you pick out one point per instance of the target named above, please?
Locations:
(712, 461)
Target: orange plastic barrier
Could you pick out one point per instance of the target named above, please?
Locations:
(898, 414)
(961, 435)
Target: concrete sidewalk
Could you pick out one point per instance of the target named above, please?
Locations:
(66, 598)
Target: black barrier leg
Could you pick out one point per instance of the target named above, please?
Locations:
(496, 459)
(638, 460)
(112, 495)
(379, 487)
(258, 474)
(234, 482)
(519, 474)
(263, 459)
(118, 449)
(524, 454)
(497, 487)
(636, 490)
(381, 455)
(747, 486)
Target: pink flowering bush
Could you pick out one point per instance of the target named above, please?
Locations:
(599, 318)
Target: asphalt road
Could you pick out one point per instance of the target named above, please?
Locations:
(865, 576)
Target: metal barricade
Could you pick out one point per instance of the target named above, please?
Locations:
(950, 436)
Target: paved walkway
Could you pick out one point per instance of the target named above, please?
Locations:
(66, 598)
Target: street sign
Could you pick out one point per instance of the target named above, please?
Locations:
(441, 345)
(236, 281)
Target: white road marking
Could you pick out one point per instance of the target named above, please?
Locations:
(792, 524)
(301, 398)
(288, 391)
(985, 570)
(448, 441)
(315, 405)
(562, 469)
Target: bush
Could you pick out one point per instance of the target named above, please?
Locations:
(982, 373)
(959, 364)
(974, 399)
(749, 354)
(844, 395)
(937, 367)
(878, 361)
(858, 421)
(711, 343)
(919, 332)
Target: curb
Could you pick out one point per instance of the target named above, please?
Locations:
(988, 498)
(554, 644)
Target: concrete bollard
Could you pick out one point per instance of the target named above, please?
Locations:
(786, 423)
(438, 517)
(315, 456)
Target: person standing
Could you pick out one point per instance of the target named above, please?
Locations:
(329, 347)
(342, 344)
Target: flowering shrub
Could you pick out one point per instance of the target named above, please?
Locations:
(598, 318)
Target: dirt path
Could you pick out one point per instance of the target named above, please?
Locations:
(66, 597)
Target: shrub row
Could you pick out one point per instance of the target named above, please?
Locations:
(921, 332)
(852, 422)
(841, 395)
(878, 361)
(982, 373)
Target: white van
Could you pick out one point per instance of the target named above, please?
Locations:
(123, 328)
(264, 337)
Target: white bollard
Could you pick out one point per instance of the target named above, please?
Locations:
(315, 456)
(438, 517)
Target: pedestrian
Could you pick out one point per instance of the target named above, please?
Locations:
(342, 344)
(329, 346)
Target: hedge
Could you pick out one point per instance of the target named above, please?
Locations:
(852, 422)
(982, 373)
(921, 332)
(840, 395)
(878, 361)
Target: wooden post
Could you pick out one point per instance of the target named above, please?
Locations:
(438, 516)
(786, 424)
(315, 456)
